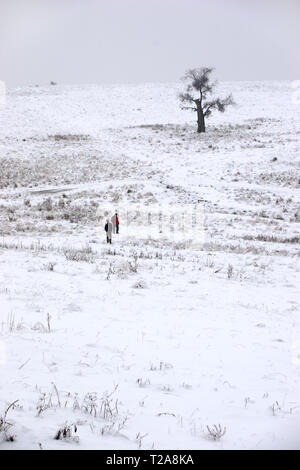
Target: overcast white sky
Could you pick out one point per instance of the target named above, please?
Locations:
(103, 41)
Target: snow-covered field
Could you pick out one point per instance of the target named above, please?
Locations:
(145, 343)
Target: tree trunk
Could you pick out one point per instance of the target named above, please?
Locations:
(201, 119)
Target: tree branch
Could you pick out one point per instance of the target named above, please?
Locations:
(185, 97)
(219, 104)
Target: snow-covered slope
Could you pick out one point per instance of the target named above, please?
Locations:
(145, 343)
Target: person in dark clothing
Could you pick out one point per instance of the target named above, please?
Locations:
(108, 229)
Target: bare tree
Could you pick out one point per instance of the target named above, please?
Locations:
(199, 87)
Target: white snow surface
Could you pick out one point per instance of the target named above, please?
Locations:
(145, 343)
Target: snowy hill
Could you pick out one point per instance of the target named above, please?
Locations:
(146, 342)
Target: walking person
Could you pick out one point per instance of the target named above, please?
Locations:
(108, 229)
(115, 222)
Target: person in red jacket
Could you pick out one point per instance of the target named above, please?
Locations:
(115, 222)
